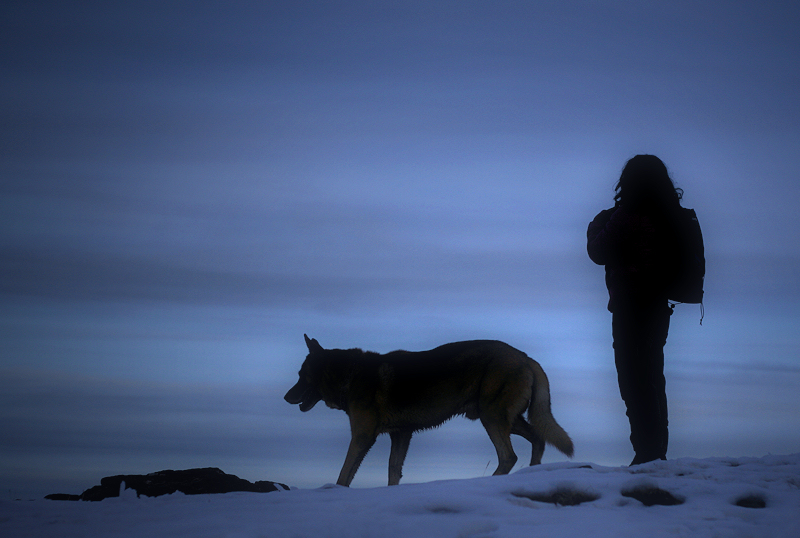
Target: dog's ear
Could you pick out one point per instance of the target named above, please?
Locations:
(312, 344)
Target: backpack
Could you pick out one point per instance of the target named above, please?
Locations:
(690, 262)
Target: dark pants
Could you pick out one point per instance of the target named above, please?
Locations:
(640, 333)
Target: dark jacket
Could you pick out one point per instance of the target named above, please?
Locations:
(636, 247)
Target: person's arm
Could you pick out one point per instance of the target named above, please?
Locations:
(602, 236)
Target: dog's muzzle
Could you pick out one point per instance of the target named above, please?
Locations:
(301, 395)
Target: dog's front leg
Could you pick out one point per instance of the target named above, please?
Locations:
(400, 442)
(363, 428)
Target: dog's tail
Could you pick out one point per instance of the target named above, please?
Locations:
(540, 415)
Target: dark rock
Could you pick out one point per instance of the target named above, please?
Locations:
(751, 501)
(652, 495)
(189, 482)
(561, 496)
(62, 497)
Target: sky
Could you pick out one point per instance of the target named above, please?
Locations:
(186, 188)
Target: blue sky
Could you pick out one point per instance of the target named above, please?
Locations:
(186, 188)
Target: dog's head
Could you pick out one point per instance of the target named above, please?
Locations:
(306, 390)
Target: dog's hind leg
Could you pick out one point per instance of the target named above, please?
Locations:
(523, 428)
(499, 430)
(400, 442)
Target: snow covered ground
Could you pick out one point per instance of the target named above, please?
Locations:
(693, 497)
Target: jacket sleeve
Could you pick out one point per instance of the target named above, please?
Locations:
(602, 236)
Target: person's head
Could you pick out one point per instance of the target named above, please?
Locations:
(645, 181)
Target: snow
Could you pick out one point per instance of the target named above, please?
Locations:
(707, 489)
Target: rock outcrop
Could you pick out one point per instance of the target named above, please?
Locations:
(189, 482)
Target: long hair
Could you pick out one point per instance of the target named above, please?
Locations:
(645, 182)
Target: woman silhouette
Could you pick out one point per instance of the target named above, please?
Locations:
(636, 242)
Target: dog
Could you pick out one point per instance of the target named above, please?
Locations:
(403, 392)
